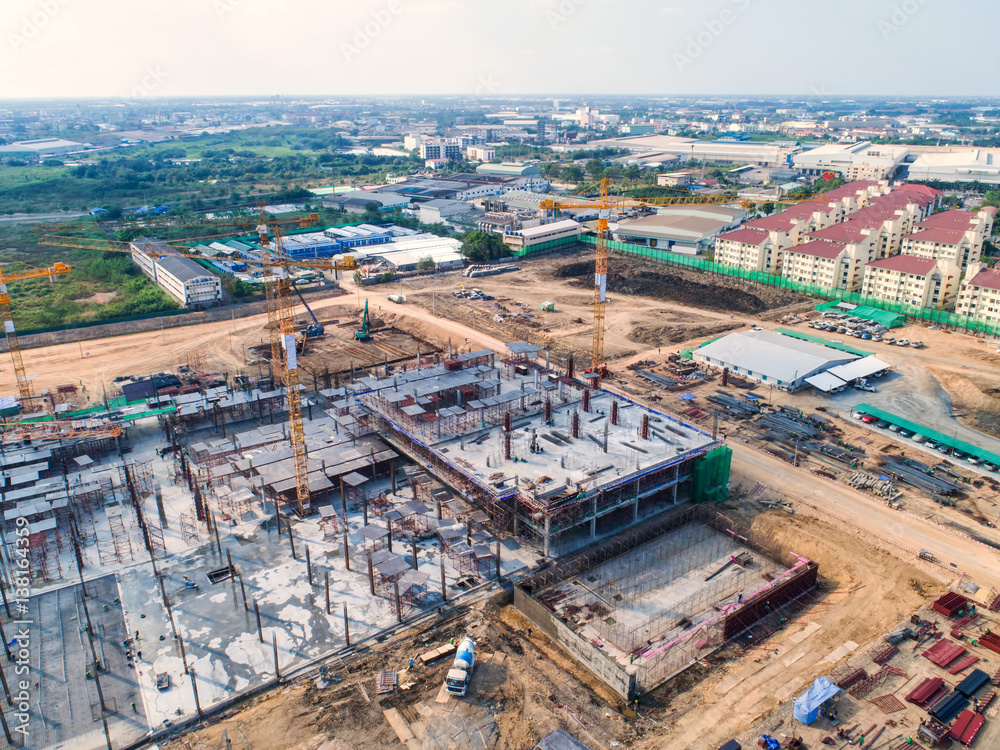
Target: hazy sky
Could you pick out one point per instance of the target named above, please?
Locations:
(139, 48)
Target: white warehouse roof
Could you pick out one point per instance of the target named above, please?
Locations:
(826, 382)
(781, 359)
(860, 368)
(543, 229)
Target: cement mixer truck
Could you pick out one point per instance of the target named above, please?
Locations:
(460, 674)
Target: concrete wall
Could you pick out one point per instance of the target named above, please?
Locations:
(607, 670)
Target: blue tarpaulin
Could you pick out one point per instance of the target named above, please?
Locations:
(806, 708)
(688, 397)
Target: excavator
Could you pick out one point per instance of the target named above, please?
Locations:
(312, 331)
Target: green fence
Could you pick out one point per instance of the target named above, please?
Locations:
(942, 318)
(825, 342)
(941, 438)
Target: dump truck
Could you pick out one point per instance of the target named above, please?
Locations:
(460, 674)
(397, 298)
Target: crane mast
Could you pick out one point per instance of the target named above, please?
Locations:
(604, 206)
(290, 378)
(24, 387)
(600, 281)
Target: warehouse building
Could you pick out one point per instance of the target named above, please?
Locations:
(683, 229)
(358, 201)
(181, 278)
(546, 232)
(771, 358)
(361, 235)
(853, 161)
(668, 148)
(979, 165)
(406, 254)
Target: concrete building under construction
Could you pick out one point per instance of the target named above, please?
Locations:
(545, 455)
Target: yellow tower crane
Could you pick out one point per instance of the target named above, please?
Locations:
(605, 205)
(24, 387)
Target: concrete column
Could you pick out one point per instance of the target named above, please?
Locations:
(593, 521)
(548, 522)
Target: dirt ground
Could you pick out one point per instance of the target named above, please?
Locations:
(536, 690)
(631, 277)
(865, 591)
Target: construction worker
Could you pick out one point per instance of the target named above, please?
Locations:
(411, 665)
(861, 741)
(134, 709)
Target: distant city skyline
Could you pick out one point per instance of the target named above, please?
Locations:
(250, 48)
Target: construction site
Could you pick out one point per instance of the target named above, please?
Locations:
(277, 529)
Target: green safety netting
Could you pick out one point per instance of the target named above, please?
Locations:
(939, 437)
(710, 475)
(882, 317)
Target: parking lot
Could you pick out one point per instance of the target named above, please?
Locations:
(858, 328)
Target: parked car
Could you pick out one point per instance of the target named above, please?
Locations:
(903, 342)
(919, 438)
(889, 340)
(903, 432)
(882, 424)
(894, 428)
(930, 444)
(917, 344)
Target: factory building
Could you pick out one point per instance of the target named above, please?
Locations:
(853, 161)
(406, 254)
(183, 279)
(683, 229)
(973, 165)
(362, 235)
(771, 358)
(522, 238)
(358, 201)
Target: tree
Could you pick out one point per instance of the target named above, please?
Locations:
(594, 167)
(572, 173)
(482, 247)
(631, 172)
(767, 208)
(426, 264)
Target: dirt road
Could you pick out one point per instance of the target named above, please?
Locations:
(898, 530)
(96, 363)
